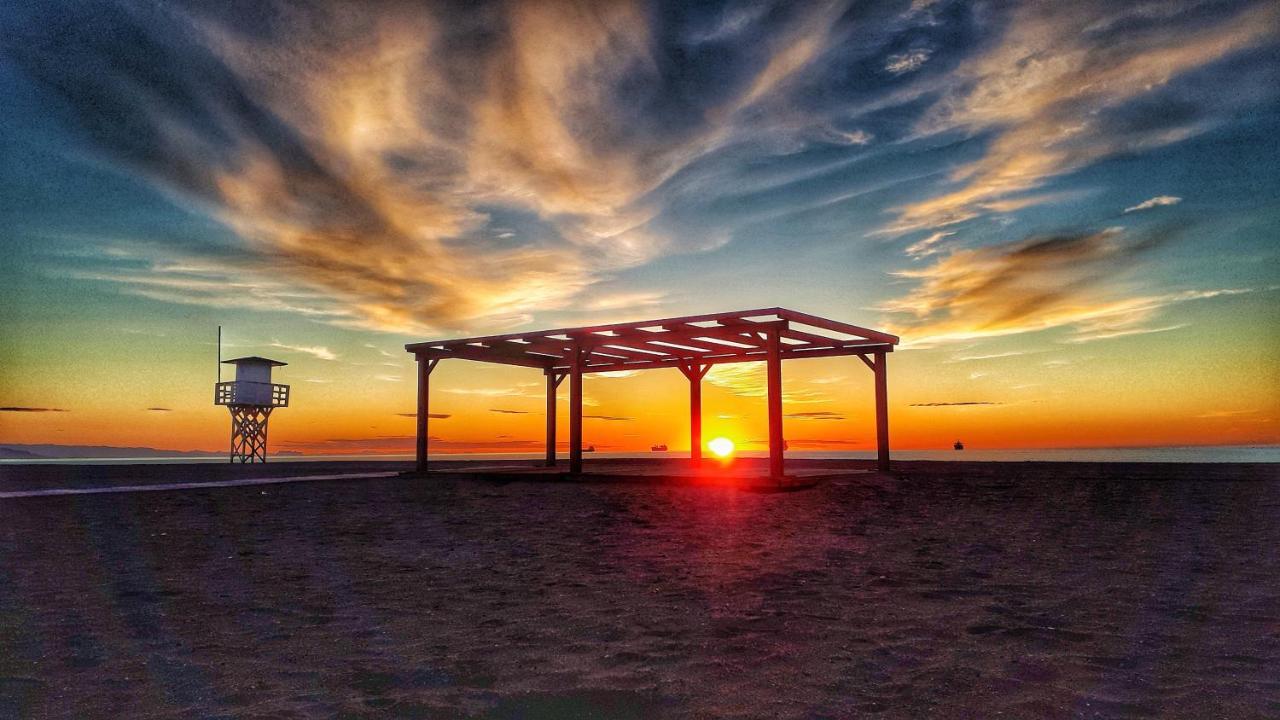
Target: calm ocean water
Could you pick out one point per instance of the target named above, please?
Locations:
(1191, 454)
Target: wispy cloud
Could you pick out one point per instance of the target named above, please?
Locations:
(405, 443)
(907, 62)
(988, 356)
(624, 301)
(615, 418)
(1049, 91)
(491, 392)
(437, 416)
(847, 137)
(316, 351)
(1086, 337)
(1225, 414)
(928, 245)
(365, 158)
(159, 409)
(817, 442)
(231, 282)
(418, 168)
(748, 380)
(808, 442)
(32, 410)
(508, 412)
(817, 415)
(1158, 201)
(1075, 281)
(954, 404)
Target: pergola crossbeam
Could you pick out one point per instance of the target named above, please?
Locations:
(493, 355)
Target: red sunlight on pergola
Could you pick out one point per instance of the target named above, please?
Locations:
(691, 344)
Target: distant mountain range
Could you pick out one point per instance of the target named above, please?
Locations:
(53, 452)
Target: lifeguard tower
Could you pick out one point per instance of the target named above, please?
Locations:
(250, 397)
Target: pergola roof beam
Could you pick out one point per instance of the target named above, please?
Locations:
(744, 355)
(791, 354)
(616, 354)
(629, 352)
(717, 337)
(811, 339)
(836, 326)
(544, 346)
(724, 332)
(510, 350)
(486, 355)
(683, 347)
(733, 344)
(412, 347)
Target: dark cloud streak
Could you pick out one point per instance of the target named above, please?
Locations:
(954, 404)
(1031, 284)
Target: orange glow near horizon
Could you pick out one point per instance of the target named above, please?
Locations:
(1029, 400)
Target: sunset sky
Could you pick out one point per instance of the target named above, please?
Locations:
(1069, 211)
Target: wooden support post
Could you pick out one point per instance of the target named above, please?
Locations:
(694, 373)
(882, 411)
(425, 366)
(553, 382)
(774, 373)
(575, 411)
(695, 414)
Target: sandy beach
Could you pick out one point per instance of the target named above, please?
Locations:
(1022, 590)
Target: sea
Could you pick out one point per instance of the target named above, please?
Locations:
(1185, 454)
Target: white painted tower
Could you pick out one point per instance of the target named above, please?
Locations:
(250, 397)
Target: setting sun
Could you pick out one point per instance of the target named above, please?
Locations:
(721, 447)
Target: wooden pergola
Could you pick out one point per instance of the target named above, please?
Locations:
(690, 344)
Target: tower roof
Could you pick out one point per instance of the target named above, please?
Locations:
(254, 360)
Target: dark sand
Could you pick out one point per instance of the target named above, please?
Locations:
(954, 590)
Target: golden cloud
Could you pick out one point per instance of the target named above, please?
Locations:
(364, 175)
(1031, 285)
(1042, 89)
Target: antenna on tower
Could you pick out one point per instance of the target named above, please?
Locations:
(219, 353)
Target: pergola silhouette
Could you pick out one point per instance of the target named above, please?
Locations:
(692, 344)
